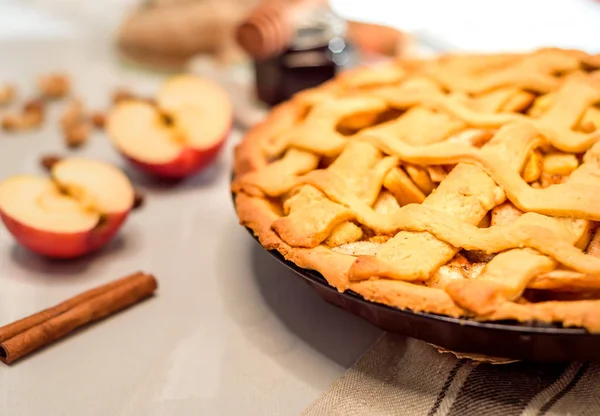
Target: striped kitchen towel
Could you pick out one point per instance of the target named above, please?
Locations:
(400, 376)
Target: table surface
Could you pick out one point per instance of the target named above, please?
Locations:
(231, 331)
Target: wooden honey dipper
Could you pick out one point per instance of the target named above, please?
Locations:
(269, 28)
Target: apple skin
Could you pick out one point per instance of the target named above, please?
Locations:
(187, 163)
(65, 245)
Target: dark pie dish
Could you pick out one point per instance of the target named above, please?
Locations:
(512, 340)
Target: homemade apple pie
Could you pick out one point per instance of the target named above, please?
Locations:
(466, 186)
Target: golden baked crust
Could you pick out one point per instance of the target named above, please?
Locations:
(466, 185)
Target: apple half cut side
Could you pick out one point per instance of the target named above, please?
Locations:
(78, 210)
(181, 134)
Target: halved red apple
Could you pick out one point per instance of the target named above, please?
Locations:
(179, 135)
(78, 210)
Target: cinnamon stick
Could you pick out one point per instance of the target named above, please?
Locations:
(38, 330)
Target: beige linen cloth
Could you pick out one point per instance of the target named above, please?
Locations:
(401, 376)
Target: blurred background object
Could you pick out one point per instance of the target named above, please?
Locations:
(436, 24)
(294, 45)
(484, 26)
(167, 33)
(299, 44)
(199, 35)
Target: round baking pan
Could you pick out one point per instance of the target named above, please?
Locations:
(532, 341)
(511, 340)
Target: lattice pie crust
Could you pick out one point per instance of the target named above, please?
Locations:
(467, 186)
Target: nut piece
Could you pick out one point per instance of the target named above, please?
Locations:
(54, 85)
(122, 95)
(36, 105)
(74, 124)
(26, 120)
(49, 160)
(72, 114)
(34, 110)
(77, 134)
(8, 93)
(98, 120)
(31, 116)
(138, 199)
(12, 122)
